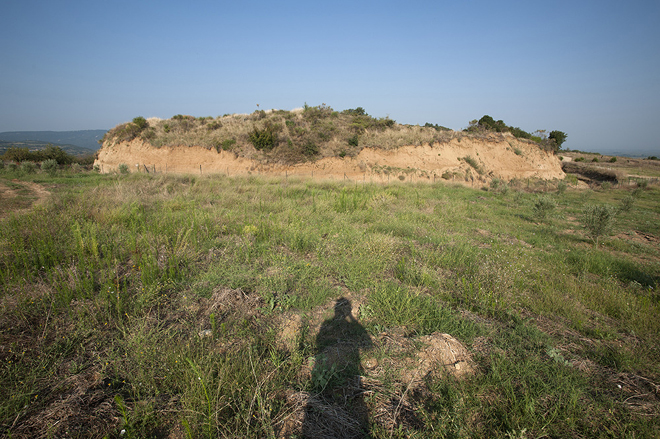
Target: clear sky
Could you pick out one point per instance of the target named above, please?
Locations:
(588, 68)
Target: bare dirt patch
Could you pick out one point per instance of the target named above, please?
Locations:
(19, 196)
(639, 237)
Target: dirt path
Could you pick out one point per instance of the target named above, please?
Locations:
(19, 196)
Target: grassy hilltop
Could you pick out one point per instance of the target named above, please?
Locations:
(150, 305)
(287, 137)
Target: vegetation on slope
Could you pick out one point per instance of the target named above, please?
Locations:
(286, 136)
(155, 306)
(550, 142)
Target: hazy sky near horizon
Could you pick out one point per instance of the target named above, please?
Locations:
(588, 68)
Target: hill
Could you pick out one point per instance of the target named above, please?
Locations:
(321, 142)
(88, 139)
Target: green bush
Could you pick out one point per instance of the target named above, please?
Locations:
(543, 206)
(265, 138)
(11, 167)
(28, 167)
(228, 144)
(76, 168)
(627, 203)
(353, 141)
(598, 220)
(310, 148)
(140, 122)
(214, 125)
(579, 159)
(123, 168)
(359, 111)
(595, 160)
(436, 127)
(559, 137)
(49, 166)
(613, 160)
(561, 187)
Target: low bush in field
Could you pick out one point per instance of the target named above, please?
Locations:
(598, 220)
(49, 166)
(28, 167)
(543, 206)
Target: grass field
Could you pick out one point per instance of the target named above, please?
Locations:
(176, 306)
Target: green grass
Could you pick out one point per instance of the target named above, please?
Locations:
(156, 305)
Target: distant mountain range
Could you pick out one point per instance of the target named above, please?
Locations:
(73, 142)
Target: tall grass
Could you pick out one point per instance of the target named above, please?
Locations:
(160, 302)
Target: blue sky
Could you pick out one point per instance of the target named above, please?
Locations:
(588, 68)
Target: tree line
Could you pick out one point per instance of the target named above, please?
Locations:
(50, 152)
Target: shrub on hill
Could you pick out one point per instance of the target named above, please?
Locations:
(487, 123)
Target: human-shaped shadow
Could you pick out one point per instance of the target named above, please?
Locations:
(336, 407)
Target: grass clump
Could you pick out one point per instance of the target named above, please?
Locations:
(472, 162)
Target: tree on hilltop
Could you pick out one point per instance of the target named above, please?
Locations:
(559, 137)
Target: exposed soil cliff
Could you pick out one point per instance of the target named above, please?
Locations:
(464, 159)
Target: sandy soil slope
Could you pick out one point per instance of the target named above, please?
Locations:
(498, 156)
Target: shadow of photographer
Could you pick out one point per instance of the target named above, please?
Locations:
(336, 407)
